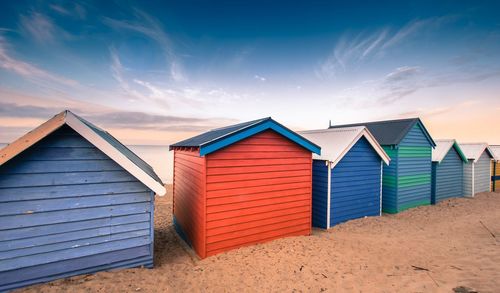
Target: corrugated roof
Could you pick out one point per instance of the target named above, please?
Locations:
(336, 142)
(390, 132)
(214, 134)
(495, 149)
(216, 139)
(443, 146)
(474, 150)
(98, 137)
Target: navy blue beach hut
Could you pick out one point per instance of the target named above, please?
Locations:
(407, 179)
(447, 170)
(347, 176)
(73, 200)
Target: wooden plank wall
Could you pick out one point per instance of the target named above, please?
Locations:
(66, 209)
(258, 189)
(189, 197)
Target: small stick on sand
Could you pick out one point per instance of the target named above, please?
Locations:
(420, 268)
(429, 274)
(492, 234)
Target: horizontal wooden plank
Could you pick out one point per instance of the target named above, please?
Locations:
(64, 141)
(47, 205)
(258, 217)
(77, 252)
(66, 178)
(254, 176)
(37, 219)
(256, 162)
(260, 222)
(256, 169)
(258, 155)
(256, 238)
(257, 210)
(32, 193)
(71, 244)
(29, 167)
(132, 257)
(242, 147)
(257, 203)
(257, 189)
(258, 230)
(13, 234)
(256, 196)
(273, 236)
(65, 153)
(257, 182)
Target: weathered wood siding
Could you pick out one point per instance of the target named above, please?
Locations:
(495, 176)
(482, 171)
(258, 189)
(355, 184)
(189, 198)
(468, 178)
(67, 209)
(390, 182)
(447, 177)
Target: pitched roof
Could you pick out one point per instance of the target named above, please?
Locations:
(495, 149)
(336, 142)
(216, 139)
(391, 132)
(443, 146)
(473, 151)
(95, 135)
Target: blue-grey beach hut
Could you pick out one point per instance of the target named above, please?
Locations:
(347, 176)
(447, 170)
(407, 179)
(477, 173)
(73, 200)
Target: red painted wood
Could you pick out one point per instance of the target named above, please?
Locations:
(189, 197)
(253, 191)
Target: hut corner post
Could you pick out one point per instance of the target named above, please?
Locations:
(329, 193)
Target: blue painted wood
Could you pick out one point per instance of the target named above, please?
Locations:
(448, 177)
(63, 206)
(319, 193)
(136, 256)
(32, 193)
(355, 184)
(389, 181)
(269, 124)
(417, 137)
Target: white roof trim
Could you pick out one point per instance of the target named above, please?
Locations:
(442, 148)
(474, 150)
(495, 149)
(336, 142)
(72, 121)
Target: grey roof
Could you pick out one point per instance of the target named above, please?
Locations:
(122, 149)
(389, 132)
(214, 134)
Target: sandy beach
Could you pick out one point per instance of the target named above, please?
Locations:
(427, 249)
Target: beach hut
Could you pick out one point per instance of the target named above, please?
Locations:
(447, 170)
(242, 184)
(73, 200)
(406, 182)
(495, 168)
(347, 176)
(477, 173)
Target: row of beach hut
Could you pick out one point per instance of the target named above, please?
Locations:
(74, 200)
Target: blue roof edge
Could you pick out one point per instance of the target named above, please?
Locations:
(254, 129)
(427, 134)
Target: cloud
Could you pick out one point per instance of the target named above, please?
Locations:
(27, 70)
(152, 28)
(258, 77)
(118, 119)
(351, 51)
(42, 29)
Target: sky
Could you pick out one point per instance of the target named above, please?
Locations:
(156, 72)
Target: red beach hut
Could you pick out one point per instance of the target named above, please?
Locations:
(242, 184)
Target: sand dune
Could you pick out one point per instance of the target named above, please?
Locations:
(426, 249)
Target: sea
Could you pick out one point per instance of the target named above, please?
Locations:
(157, 156)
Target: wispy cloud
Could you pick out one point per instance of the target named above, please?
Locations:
(27, 70)
(118, 119)
(70, 9)
(152, 28)
(405, 81)
(351, 51)
(42, 29)
(260, 78)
